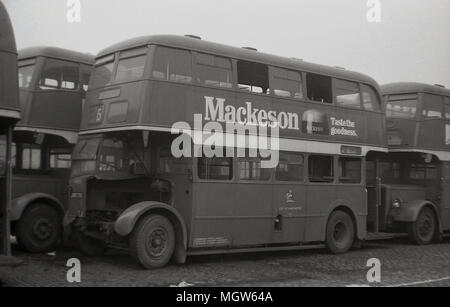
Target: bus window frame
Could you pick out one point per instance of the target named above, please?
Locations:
(334, 92)
(59, 89)
(422, 107)
(37, 63)
(194, 64)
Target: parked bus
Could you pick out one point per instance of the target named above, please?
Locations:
(128, 190)
(53, 84)
(415, 192)
(9, 115)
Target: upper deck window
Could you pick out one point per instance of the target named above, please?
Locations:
(287, 83)
(402, 106)
(172, 65)
(26, 71)
(432, 106)
(253, 77)
(319, 88)
(214, 71)
(347, 94)
(131, 65)
(370, 99)
(59, 75)
(103, 71)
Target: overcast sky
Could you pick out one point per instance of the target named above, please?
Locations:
(411, 43)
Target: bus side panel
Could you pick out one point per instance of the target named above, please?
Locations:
(253, 218)
(355, 198)
(212, 215)
(320, 197)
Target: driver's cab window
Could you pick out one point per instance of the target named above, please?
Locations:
(31, 157)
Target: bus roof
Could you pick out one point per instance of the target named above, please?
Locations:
(238, 53)
(7, 40)
(413, 87)
(9, 90)
(57, 53)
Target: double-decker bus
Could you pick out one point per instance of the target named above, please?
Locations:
(415, 192)
(9, 115)
(52, 88)
(129, 190)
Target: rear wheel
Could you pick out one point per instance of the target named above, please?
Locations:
(152, 243)
(423, 231)
(40, 228)
(340, 234)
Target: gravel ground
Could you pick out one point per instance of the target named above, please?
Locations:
(402, 265)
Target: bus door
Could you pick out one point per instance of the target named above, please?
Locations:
(446, 195)
(289, 200)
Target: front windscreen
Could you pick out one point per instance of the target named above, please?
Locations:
(402, 106)
(26, 70)
(121, 155)
(130, 66)
(103, 71)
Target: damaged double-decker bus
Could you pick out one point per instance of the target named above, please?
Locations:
(9, 115)
(52, 88)
(130, 189)
(415, 176)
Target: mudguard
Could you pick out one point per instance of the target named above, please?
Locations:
(409, 211)
(20, 204)
(360, 220)
(128, 219)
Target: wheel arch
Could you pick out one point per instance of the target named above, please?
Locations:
(128, 220)
(411, 212)
(360, 231)
(20, 204)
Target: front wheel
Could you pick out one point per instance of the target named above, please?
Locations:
(340, 234)
(152, 243)
(423, 231)
(40, 228)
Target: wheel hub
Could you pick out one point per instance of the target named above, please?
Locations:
(42, 229)
(156, 244)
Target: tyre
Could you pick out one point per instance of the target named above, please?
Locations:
(39, 230)
(340, 234)
(152, 242)
(423, 231)
(88, 246)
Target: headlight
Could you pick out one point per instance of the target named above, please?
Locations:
(396, 204)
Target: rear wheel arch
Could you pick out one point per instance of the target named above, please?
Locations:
(347, 210)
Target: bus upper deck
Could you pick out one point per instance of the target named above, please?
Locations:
(416, 111)
(152, 82)
(9, 101)
(53, 81)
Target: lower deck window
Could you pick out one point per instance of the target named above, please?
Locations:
(350, 170)
(31, 157)
(251, 170)
(290, 168)
(60, 159)
(215, 168)
(321, 169)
